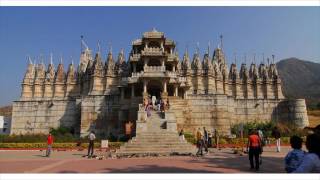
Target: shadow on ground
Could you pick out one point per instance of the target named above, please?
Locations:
(155, 169)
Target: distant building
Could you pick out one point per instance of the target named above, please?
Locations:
(104, 96)
(5, 125)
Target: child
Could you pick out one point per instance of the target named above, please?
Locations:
(294, 158)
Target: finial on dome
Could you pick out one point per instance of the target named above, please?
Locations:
(245, 58)
(221, 39)
(208, 48)
(61, 59)
(83, 44)
(110, 47)
(41, 59)
(98, 45)
(197, 50)
(154, 29)
(268, 60)
(235, 58)
(254, 58)
(186, 50)
(273, 58)
(51, 59)
(29, 59)
(71, 60)
(262, 58)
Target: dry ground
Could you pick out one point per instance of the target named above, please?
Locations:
(314, 118)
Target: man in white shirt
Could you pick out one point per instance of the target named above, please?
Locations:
(91, 137)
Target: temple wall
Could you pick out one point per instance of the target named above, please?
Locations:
(107, 114)
(40, 116)
(221, 112)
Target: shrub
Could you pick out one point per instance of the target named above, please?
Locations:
(112, 145)
(190, 138)
(286, 129)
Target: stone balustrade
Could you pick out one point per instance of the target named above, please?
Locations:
(152, 51)
(171, 74)
(135, 57)
(154, 69)
(136, 74)
(153, 34)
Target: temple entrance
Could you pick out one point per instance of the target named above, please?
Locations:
(155, 88)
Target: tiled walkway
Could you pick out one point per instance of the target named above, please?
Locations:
(217, 161)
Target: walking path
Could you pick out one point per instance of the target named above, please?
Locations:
(217, 161)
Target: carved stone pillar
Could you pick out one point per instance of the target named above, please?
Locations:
(176, 90)
(132, 91)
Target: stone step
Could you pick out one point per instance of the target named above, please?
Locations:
(159, 143)
(153, 153)
(154, 149)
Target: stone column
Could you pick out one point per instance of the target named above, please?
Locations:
(132, 91)
(176, 90)
(134, 67)
(174, 68)
(144, 86)
(122, 92)
(162, 62)
(165, 86)
(145, 93)
(184, 94)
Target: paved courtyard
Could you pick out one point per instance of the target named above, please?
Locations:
(217, 161)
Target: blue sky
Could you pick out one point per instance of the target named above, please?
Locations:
(283, 31)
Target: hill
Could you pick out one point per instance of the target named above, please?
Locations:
(300, 79)
(6, 111)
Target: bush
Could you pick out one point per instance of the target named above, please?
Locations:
(285, 129)
(190, 138)
(112, 145)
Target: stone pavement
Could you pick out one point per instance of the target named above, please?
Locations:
(217, 161)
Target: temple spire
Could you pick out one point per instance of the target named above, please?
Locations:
(221, 40)
(208, 51)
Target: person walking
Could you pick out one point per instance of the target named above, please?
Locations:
(311, 161)
(49, 143)
(209, 139)
(254, 147)
(277, 136)
(205, 139)
(181, 135)
(199, 136)
(294, 158)
(216, 138)
(91, 137)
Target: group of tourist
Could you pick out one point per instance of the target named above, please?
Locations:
(152, 103)
(296, 161)
(204, 140)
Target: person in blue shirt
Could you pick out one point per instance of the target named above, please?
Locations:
(294, 157)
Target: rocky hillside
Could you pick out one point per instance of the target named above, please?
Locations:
(6, 111)
(301, 79)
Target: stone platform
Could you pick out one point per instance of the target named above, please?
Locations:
(156, 136)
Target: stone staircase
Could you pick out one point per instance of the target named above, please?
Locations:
(157, 139)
